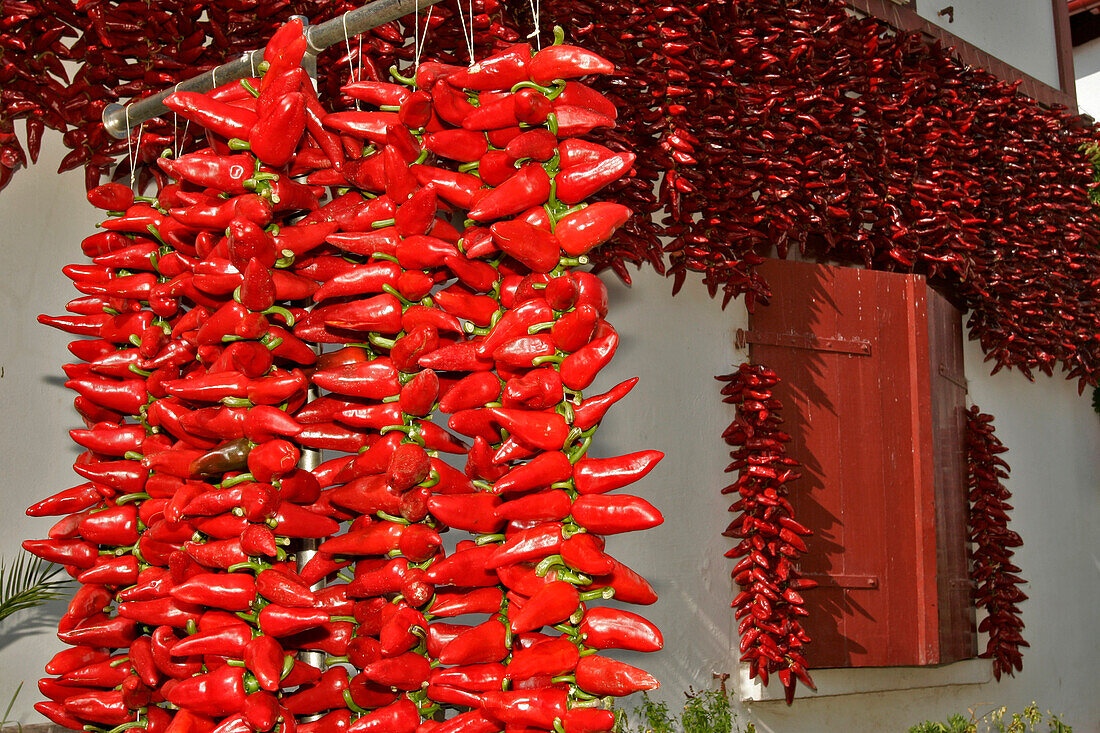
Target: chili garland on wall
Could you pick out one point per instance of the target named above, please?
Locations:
(991, 568)
(769, 606)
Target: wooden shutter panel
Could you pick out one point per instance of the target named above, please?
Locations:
(852, 348)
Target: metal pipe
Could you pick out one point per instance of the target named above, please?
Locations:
(119, 119)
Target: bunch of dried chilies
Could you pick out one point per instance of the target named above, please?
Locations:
(429, 242)
(992, 570)
(769, 606)
(761, 124)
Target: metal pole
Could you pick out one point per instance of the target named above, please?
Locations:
(119, 119)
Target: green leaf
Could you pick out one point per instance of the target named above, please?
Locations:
(28, 583)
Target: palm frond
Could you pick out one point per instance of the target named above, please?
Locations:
(11, 704)
(28, 582)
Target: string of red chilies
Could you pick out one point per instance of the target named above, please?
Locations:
(997, 585)
(769, 606)
(430, 240)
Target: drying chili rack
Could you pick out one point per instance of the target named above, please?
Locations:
(119, 119)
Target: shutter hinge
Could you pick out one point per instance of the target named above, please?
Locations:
(844, 581)
(857, 347)
(959, 382)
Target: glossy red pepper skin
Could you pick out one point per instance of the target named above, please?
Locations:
(603, 514)
(529, 186)
(502, 70)
(534, 708)
(603, 676)
(576, 183)
(546, 658)
(217, 693)
(224, 119)
(553, 603)
(481, 644)
(610, 628)
(529, 544)
(566, 62)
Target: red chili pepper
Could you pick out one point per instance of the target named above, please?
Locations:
(602, 676)
(590, 227)
(471, 512)
(221, 118)
(579, 369)
(533, 246)
(566, 62)
(160, 612)
(529, 544)
(218, 693)
(584, 552)
(226, 173)
(546, 658)
(502, 70)
(526, 708)
(100, 706)
(629, 586)
(465, 568)
(464, 146)
(479, 645)
(264, 658)
(553, 603)
(231, 591)
(541, 430)
(576, 183)
(609, 628)
(228, 641)
(529, 186)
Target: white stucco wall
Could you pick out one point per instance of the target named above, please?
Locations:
(1018, 32)
(676, 346)
(1086, 66)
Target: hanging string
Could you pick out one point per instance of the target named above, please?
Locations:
(132, 149)
(347, 45)
(468, 37)
(418, 38)
(178, 139)
(536, 17)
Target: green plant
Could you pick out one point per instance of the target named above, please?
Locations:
(1092, 153)
(994, 722)
(955, 724)
(708, 711)
(27, 583)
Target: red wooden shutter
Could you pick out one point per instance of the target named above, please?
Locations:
(852, 348)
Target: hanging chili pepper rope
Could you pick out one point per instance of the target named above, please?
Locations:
(996, 582)
(194, 393)
(769, 606)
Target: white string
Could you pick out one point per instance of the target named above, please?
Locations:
(347, 44)
(536, 13)
(469, 38)
(252, 63)
(176, 128)
(131, 149)
(419, 39)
